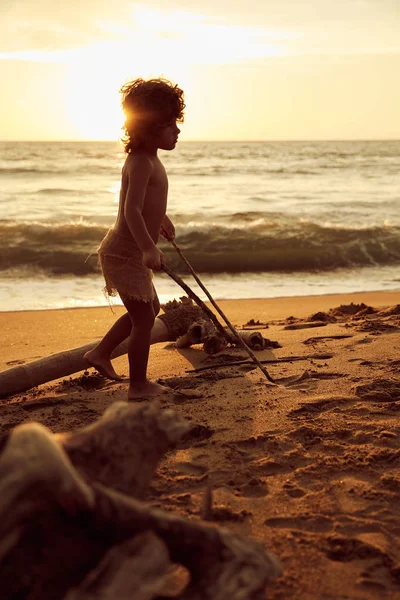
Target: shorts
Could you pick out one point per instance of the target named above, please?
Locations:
(121, 262)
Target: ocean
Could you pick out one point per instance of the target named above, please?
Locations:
(255, 219)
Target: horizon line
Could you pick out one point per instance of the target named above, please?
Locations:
(88, 141)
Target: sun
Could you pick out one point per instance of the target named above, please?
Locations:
(91, 98)
(92, 84)
(168, 43)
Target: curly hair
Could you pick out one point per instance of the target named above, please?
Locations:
(149, 104)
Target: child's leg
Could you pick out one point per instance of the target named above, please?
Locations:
(99, 357)
(156, 303)
(142, 316)
(159, 332)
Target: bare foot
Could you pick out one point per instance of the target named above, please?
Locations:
(103, 365)
(146, 389)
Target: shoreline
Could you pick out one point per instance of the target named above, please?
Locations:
(57, 293)
(370, 293)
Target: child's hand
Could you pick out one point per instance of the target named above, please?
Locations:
(153, 259)
(167, 229)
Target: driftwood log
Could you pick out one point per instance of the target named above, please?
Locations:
(72, 528)
(24, 377)
(201, 331)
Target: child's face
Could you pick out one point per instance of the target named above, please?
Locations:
(166, 136)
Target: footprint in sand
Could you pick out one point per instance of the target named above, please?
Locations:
(306, 325)
(381, 570)
(308, 380)
(87, 381)
(370, 584)
(346, 549)
(181, 383)
(181, 396)
(391, 482)
(15, 362)
(293, 490)
(255, 488)
(309, 523)
(307, 436)
(268, 455)
(363, 341)
(321, 338)
(189, 468)
(379, 390)
(266, 444)
(319, 405)
(196, 435)
(226, 513)
(220, 504)
(377, 327)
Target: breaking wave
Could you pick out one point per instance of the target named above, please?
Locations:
(260, 246)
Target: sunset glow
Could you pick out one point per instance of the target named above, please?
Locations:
(275, 72)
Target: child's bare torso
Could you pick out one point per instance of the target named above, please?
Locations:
(155, 201)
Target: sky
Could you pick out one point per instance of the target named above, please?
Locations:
(250, 69)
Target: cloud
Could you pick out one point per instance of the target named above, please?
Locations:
(47, 25)
(223, 31)
(178, 35)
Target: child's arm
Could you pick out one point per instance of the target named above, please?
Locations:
(167, 228)
(139, 172)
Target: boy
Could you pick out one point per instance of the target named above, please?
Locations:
(129, 252)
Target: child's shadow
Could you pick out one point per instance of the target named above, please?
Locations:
(220, 379)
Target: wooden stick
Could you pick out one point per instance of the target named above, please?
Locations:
(272, 361)
(229, 324)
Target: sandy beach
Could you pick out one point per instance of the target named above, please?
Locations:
(309, 466)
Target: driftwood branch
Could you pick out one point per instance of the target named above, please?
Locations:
(123, 448)
(215, 305)
(135, 569)
(64, 533)
(270, 361)
(221, 564)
